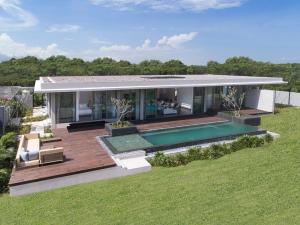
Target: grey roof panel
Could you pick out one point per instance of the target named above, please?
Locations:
(77, 83)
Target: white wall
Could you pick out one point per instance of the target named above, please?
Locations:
(185, 95)
(282, 97)
(260, 99)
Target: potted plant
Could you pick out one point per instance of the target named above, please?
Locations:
(121, 126)
(233, 103)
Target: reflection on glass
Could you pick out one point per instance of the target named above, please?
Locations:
(132, 96)
(99, 109)
(65, 107)
(198, 103)
(150, 103)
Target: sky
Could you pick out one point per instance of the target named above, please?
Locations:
(193, 31)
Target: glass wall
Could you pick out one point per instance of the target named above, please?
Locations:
(150, 104)
(104, 109)
(134, 97)
(198, 101)
(65, 107)
(99, 109)
(102, 105)
(217, 97)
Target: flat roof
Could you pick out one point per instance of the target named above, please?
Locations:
(102, 83)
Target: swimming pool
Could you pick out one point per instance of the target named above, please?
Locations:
(179, 137)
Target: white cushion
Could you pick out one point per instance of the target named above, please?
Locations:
(33, 145)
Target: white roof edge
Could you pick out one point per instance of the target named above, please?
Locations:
(38, 88)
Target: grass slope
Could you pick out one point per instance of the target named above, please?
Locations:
(260, 186)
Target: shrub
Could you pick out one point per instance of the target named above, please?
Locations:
(4, 179)
(159, 159)
(268, 138)
(121, 124)
(7, 157)
(194, 153)
(35, 118)
(47, 129)
(204, 154)
(257, 142)
(215, 152)
(23, 129)
(180, 159)
(9, 140)
(247, 142)
(38, 99)
(236, 146)
(222, 148)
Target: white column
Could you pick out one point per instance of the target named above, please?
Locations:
(77, 105)
(48, 99)
(205, 99)
(52, 108)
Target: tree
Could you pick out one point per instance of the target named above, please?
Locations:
(233, 101)
(123, 108)
(15, 107)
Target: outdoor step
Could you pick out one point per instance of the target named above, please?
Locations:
(135, 163)
(128, 155)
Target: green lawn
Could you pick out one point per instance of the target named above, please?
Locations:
(251, 186)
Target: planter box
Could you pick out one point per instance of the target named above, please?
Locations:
(131, 129)
(244, 119)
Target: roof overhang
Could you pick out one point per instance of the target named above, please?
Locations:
(51, 87)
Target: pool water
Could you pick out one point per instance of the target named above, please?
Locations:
(174, 136)
(188, 134)
(128, 142)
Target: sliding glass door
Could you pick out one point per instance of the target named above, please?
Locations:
(198, 100)
(99, 109)
(150, 106)
(102, 106)
(65, 107)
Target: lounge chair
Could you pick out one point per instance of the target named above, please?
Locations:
(30, 152)
(51, 155)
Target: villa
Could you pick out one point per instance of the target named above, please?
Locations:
(169, 113)
(88, 98)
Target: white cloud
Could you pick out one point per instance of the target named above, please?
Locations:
(11, 48)
(14, 16)
(95, 40)
(63, 28)
(169, 5)
(115, 48)
(164, 48)
(177, 40)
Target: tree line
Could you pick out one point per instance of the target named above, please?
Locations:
(24, 71)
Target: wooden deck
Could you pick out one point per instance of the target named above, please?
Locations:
(83, 153)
